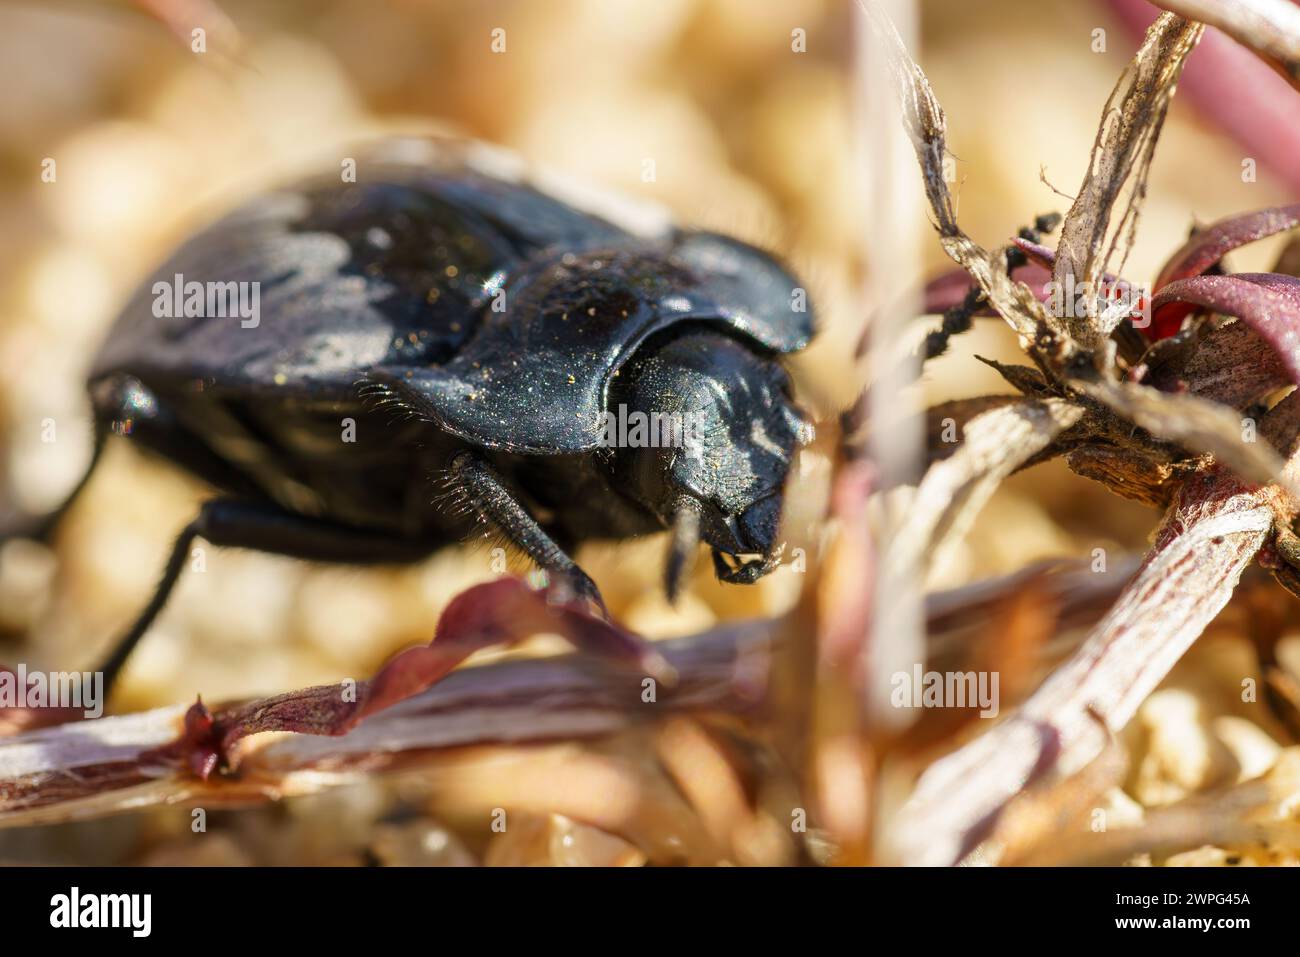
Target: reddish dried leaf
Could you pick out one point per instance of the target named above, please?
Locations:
(944, 291)
(1268, 302)
(497, 613)
(1207, 246)
(1210, 245)
(1037, 253)
(1230, 365)
(126, 762)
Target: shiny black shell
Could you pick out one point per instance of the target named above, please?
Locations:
(394, 278)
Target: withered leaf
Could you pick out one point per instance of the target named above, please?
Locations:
(945, 422)
(1126, 140)
(1230, 365)
(923, 118)
(1192, 422)
(1280, 427)
(1209, 245)
(1269, 303)
(1028, 381)
(119, 763)
(1141, 477)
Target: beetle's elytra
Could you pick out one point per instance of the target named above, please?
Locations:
(478, 337)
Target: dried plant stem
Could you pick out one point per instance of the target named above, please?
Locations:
(1209, 536)
(1215, 525)
(1192, 422)
(1269, 27)
(111, 765)
(954, 489)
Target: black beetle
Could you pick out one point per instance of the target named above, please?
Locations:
(441, 325)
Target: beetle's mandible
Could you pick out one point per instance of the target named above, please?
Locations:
(503, 356)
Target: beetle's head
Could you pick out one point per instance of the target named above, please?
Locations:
(718, 434)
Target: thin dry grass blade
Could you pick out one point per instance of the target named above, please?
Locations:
(1125, 143)
(923, 118)
(953, 491)
(1250, 813)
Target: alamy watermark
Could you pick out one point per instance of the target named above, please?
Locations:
(133, 912)
(177, 298)
(1109, 299)
(946, 689)
(623, 429)
(53, 689)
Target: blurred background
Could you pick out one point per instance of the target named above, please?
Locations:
(151, 138)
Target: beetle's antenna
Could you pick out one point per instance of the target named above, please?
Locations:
(685, 545)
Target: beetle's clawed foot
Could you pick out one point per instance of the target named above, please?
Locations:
(576, 585)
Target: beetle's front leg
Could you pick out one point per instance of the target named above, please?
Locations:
(484, 490)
